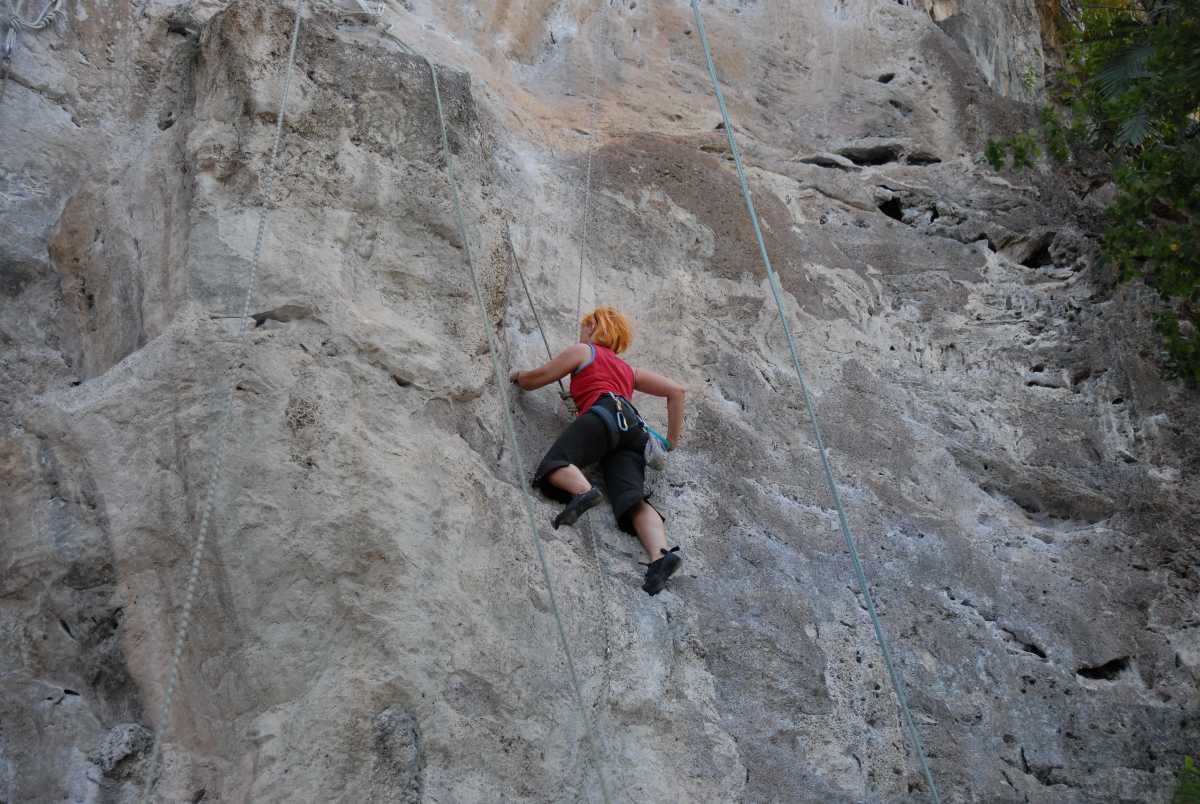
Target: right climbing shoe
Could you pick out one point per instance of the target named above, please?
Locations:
(657, 572)
(578, 505)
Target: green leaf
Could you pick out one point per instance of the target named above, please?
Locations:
(1122, 69)
(1133, 130)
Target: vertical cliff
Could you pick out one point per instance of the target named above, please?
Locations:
(372, 623)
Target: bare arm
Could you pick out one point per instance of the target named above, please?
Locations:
(657, 385)
(567, 361)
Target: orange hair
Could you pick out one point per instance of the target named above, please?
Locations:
(612, 328)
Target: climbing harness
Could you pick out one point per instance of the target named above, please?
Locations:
(185, 617)
(14, 21)
(776, 292)
(593, 733)
(617, 423)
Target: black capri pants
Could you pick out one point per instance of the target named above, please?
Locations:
(586, 441)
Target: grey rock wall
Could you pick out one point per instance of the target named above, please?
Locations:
(1004, 38)
(372, 622)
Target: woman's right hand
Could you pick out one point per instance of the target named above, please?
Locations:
(649, 382)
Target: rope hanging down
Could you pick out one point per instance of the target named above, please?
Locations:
(510, 428)
(586, 525)
(13, 21)
(562, 389)
(185, 617)
(776, 292)
(587, 190)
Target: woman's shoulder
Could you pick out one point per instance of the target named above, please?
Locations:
(607, 351)
(620, 360)
(579, 356)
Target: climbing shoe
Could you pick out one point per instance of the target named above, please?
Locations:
(657, 572)
(578, 505)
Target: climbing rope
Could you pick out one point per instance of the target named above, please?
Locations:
(510, 428)
(587, 188)
(776, 292)
(13, 22)
(50, 12)
(218, 460)
(585, 217)
(585, 525)
(562, 390)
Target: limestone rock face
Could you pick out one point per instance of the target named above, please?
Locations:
(1005, 40)
(372, 623)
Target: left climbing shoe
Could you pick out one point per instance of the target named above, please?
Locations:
(578, 506)
(657, 572)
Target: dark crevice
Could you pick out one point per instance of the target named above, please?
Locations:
(284, 314)
(893, 209)
(1028, 647)
(66, 627)
(1040, 258)
(922, 158)
(886, 78)
(1109, 671)
(182, 26)
(1027, 504)
(871, 154)
(825, 161)
(1084, 373)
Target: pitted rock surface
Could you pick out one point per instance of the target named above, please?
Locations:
(372, 622)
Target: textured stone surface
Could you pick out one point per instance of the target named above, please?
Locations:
(372, 623)
(1004, 39)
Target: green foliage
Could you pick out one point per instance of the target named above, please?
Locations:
(996, 155)
(1134, 82)
(1056, 137)
(1132, 88)
(1022, 147)
(1029, 77)
(1187, 790)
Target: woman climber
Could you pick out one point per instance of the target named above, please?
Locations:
(613, 434)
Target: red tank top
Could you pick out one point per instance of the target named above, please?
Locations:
(604, 372)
